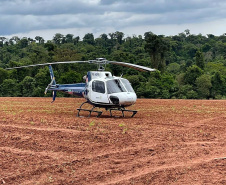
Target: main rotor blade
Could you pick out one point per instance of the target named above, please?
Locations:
(44, 64)
(101, 62)
(134, 66)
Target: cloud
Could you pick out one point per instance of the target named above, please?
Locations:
(47, 7)
(24, 16)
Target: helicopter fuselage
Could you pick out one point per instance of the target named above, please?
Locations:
(104, 90)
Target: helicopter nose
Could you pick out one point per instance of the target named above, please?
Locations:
(130, 98)
(125, 99)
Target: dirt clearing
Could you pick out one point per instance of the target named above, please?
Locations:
(167, 142)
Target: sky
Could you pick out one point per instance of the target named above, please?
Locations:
(45, 18)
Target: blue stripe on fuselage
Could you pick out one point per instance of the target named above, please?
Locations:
(73, 89)
(72, 85)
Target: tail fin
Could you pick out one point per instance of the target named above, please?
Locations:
(52, 75)
(52, 83)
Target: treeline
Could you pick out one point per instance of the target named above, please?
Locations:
(189, 66)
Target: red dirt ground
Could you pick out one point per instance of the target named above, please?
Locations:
(167, 142)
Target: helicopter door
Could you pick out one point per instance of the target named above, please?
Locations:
(98, 93)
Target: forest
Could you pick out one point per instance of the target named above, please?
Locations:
(188, 66)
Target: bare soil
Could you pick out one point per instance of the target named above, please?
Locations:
(167, 142)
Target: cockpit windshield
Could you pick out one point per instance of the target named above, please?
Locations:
(115, 86)
(126, 83)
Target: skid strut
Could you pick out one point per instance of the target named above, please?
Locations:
(88, 110)
(123, 110)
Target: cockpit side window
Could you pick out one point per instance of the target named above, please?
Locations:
(98, 86)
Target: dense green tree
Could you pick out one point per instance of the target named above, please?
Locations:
(57, 39)
(3, 75)
(42, 78)
(37, 54)
(76, 40)
(148, 91)
(119, 36)
(39, 39)
(9, 88)
(187, 32)
(15, 39)
(28, 85)
(189, 50)
(173, 68)
(213, 67)
(69, 38)
(192, 73)
(203, 84)
(2, 39)
(218, 85)
(163, 84)
(50, 46)
(17, 74)
(38, 92)
(70, 77)
(23, 43)
(199, 59)
(89, 39)
(187, 92)
(136, 80)
(157, 47)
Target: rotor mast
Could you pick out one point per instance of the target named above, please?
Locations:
(101, 63)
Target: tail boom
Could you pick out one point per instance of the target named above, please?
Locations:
(72, 89)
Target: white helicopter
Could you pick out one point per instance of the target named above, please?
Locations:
(100, 89)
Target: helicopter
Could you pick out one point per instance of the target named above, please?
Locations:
(101, 89)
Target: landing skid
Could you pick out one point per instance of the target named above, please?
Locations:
(123, 110)
(88, 110)
(100, 112)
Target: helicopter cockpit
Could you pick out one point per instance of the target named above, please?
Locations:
(112, 85)
(103, 88)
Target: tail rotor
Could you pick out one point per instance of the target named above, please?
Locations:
(52, 84)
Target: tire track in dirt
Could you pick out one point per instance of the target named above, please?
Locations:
(19, 152)
(139, 148)
(97, 162)
(108, 159)
(54, 139)
(43, 139)
(82, 161)
(147, 167)
(149, 170)
(47, 129)
(117, 161)
(135, 164)
(185, 124)
(217, 119)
